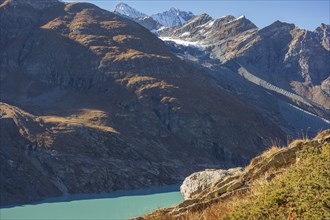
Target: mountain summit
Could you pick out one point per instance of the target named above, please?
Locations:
(172, 17)
(36, 4)
(128, 11)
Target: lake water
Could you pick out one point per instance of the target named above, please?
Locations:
(117, 205)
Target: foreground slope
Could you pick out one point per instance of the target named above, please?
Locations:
(281, 183)
(109, 107)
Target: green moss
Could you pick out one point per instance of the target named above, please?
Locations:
(303, 190)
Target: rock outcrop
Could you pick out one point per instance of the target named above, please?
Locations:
(194, 184)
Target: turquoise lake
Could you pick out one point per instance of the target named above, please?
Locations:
(117, 205)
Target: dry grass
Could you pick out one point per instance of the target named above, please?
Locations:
(87, 117)
(132, 81)
(270, 151)
(123, 38)
(323, 134)
(278, 193)
(129, 54)
(218, 210)
(113, 24)
(266, 154)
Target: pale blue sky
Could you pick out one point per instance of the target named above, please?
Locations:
(304, 14)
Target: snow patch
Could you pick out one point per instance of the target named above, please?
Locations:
(127, 10)
(201, 31)
(207, 24)
(183, 42)
(185, 34)
(240, 17)
(161, 28)
(210, 24)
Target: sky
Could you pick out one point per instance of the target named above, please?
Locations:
(305, 14)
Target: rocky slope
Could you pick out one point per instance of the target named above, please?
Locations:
(97, 103)
(194, 184)
(260, 66)
(281, 182)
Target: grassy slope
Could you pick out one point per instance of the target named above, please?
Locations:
(299, 191)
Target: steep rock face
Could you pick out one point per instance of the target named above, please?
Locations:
(52, 156)
(208, 31)
(186, 30)
(111, 107)
(21, 179)
(280, 69)
(282, 54)
(292, 59)
(323, 32)
(149, 23)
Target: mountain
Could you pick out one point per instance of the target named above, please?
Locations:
(32, 3)
(323, 33)
(168, 18)
(281, 70)
(92, 102)
(173, 17)
(278, 184)
(128, 11)
(205, 30)
(139, 17)
(149, 23)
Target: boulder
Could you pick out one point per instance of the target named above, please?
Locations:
(197, 182)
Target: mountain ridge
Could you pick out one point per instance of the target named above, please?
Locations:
(172, 17)
(234, 50)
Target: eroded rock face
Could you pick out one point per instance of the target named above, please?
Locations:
(288, 66)
(282, 54)
(197, 182)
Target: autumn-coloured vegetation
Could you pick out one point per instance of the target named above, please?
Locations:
(299, 191)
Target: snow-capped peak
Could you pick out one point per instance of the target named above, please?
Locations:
(127, 10)
(240, 17)
(173, 17)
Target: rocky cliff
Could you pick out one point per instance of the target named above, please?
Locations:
(94, 102)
